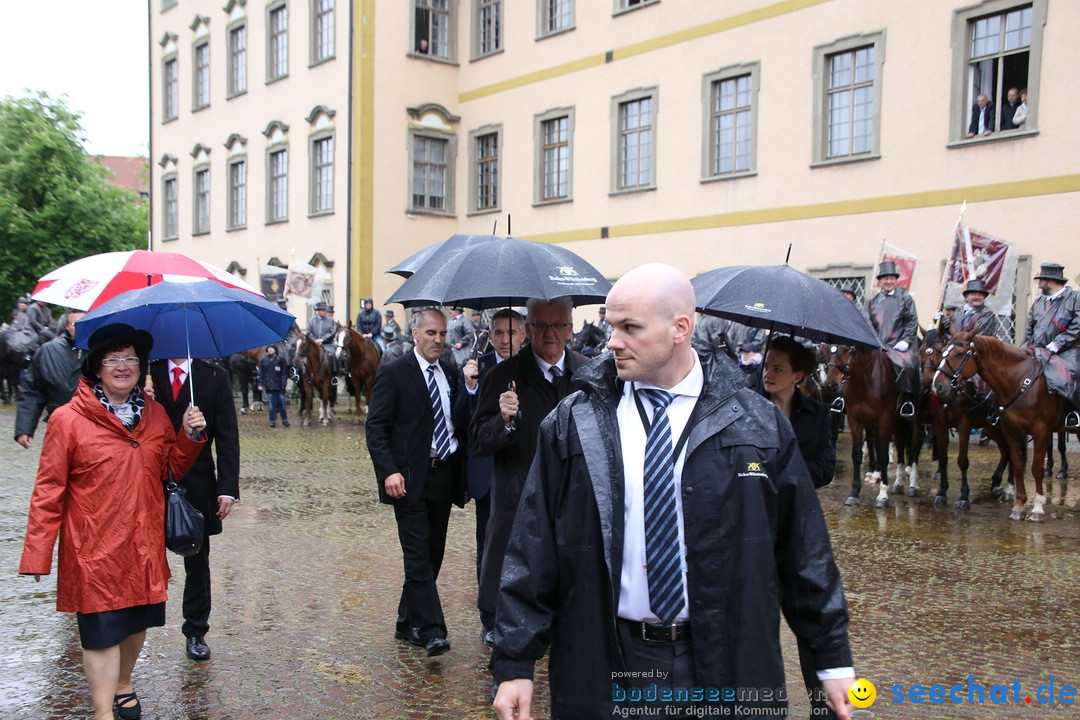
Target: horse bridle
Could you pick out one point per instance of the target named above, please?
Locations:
(971, 354)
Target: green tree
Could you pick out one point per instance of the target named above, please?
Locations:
(57, 203)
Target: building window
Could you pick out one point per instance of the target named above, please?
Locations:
(171, 86)
(201, 220)
(322, 30)
(277, 46)
(847, 114)
(170, 218)
(624, 5)
(238, 60)
(554, 131)
(730, 121)
(997, 54)
(277, 205)
(635, 136)
(237, 194)
(488, 28)
(554, 16)
(429, 173)
(200, 92)
(322, 175)
(485, 145)
(166, 4)
(431, 28)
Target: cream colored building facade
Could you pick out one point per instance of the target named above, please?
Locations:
(697, 133)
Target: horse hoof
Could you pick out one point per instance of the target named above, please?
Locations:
(913, 492)
(963, 505)
(997, 492)
(852, 501)
(896, 489)
(1062, 475)
(1016, 515)
(306, 423)
(940, 501)
(1047, 471)
(243, 411)
(1036, 517)
(881, 503)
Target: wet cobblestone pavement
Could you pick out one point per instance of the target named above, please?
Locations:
(307, 575)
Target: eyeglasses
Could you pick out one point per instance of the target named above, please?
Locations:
(130, 360)
(544, 327)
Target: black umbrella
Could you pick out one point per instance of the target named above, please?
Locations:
(439, 251)
(502, 272)
(780, 298)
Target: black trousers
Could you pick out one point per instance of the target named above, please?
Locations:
(422, 534)
(483, 511)
(197, 591)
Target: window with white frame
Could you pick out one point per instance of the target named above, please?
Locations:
(635, 141)
(847, 112)
(997, 54)
(488, 27)
(322, 174)
(624, 5)
(201, 217)
(431, 28)
(170, 213)
(277, 200)
(554, 132)
(322, 30)
(237, 193)
(554, 16)
(200, 93)
(277, 44)
(429, 173)
(237, 60)
(729, 121)
(170, 89)
(484, 188)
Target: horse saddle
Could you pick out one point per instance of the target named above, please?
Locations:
(1059, 379)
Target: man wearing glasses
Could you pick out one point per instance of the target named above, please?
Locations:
(514, 398)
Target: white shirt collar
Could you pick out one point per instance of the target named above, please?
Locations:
(545, 365)
(183, 366)
(424, 362)
(690, 385)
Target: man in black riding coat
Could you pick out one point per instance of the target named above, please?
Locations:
(51, 379)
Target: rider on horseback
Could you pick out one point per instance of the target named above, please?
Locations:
(893, 316)
(368, 322)
(1054, 323)
(324, 329)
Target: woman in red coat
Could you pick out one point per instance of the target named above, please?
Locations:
(99, 485)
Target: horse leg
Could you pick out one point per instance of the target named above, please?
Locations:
(915, 443)
(1041, 439)
(873, 473)
(962, 460)
(856, 461)
(941, 449)
(309, 397)
(884, 438)
(1063, 471)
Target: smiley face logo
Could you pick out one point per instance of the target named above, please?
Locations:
(862, 693)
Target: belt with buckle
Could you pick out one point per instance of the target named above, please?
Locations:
(437, 463)
(658, 632)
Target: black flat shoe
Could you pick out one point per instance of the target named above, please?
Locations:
(413, 636)
(197, 649)
(128, 712)
(437, 646)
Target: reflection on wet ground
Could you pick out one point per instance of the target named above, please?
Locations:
(307, 574)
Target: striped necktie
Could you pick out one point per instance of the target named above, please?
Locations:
(440, 433)
(661, 519)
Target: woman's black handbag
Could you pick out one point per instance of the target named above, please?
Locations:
(183, 523)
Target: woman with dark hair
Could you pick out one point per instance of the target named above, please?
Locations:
(786, 364)
(99, 486)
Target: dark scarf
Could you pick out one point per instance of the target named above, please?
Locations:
(130, 412)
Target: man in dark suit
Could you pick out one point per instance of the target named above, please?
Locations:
(507, 421)
(982, 117)
(416, 451)
(507, 334)
(212, 494)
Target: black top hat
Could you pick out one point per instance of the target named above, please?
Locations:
(23, 300)
(887, 267)
(849, 289)
(1052, 271)
(115, 335)
(388, 332)
(389, 313)
(330, 309)
(321, 306)
(602, 309)
(976, 286)
(458, 308)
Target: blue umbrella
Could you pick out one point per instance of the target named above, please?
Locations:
(196, 319)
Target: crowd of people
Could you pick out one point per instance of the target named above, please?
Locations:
(645, 517)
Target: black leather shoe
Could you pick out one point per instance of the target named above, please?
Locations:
(437, 646)
(488, 636)
(127, 712)
(197, 649)
(412, 636)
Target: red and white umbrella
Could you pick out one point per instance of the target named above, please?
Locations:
(88, 282)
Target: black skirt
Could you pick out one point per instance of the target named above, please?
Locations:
(105, 629)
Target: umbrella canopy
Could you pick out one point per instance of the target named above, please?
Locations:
(438, 253)
(192, 319)
(88, 282)
(780, 298)
(503, 272)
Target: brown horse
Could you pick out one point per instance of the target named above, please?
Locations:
(314, 369)
(866, 382)
(963, 408)
(1030, 409)
(362, 362)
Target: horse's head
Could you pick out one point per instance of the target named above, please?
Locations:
(837, 365)
(959, 362)
(929, 359)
